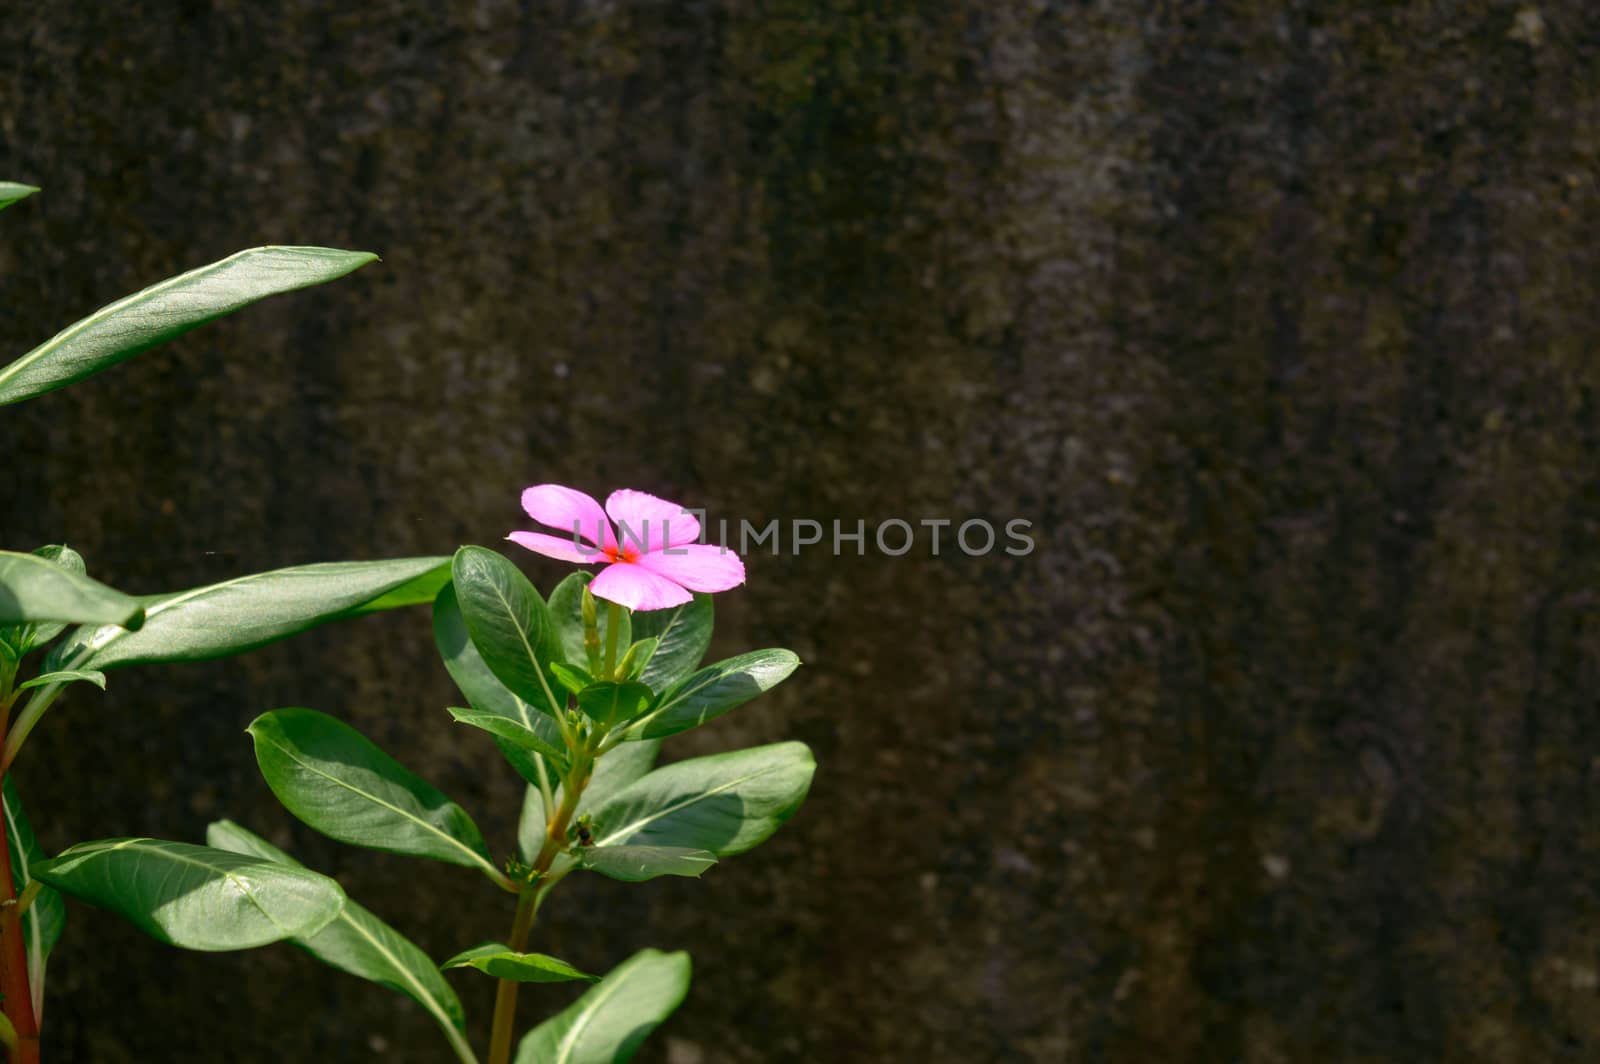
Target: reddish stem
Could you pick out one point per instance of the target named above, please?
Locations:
(14, 961)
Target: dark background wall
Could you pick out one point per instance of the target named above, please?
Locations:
(1278, 319)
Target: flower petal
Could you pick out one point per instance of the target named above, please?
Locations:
(569, 511)
(637, 588)
(697, 566)
(647, 523)
(558, 547)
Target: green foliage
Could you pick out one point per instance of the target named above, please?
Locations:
(613, 703)
(337, 781)
(359, 943)
(612, 773)
(559, 687)
(36, 590)
(714, 691)
(71, 560)
(635, 864)
(683, 633)
(724, 803)
(243, 892)
(609, 1022)
(46, 916)
(514, 732)
(566, 610)
(525, 730)
(11, 192)
(509, 625)
(66, 676)
(251, 611)
(503, 962)
(195, 897)
(166, 310)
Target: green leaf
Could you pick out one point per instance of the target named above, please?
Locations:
(70, 560)
(359, 943)
(64, 556)
(614, 770)
(334, 778)
(251, 611)
(45, 918)
(684, 633)
(509, 625)
(69, 676)
(566, 610)
(11, 192)
(35, 589)
(168, 309)
(613, 703)
(607, 1024)
(195, 897)
(484, 692)
(502, 962)
(724, 803)
(635, 864)
(419, 591)
(714, 690)
(512, 732)
(529, 765)
(572, 678)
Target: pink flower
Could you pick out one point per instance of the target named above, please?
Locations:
(654, 561)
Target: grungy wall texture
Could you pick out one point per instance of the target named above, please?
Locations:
(1278, 320)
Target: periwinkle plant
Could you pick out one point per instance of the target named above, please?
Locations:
(578, 694)
(577, 698)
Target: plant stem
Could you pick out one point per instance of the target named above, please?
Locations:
(18, 730)
(14, 961)
(555, 840)
(505, 995)
(613, 626)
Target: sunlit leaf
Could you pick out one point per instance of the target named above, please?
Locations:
(11, 192)
(339, 782)
(610, 1021)
(168, 309)
(715, 690)
(358, 942)
(252, 611)
(684, 633)
(34, 589)
(723, 803)
(195, 897)
(509, 625)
